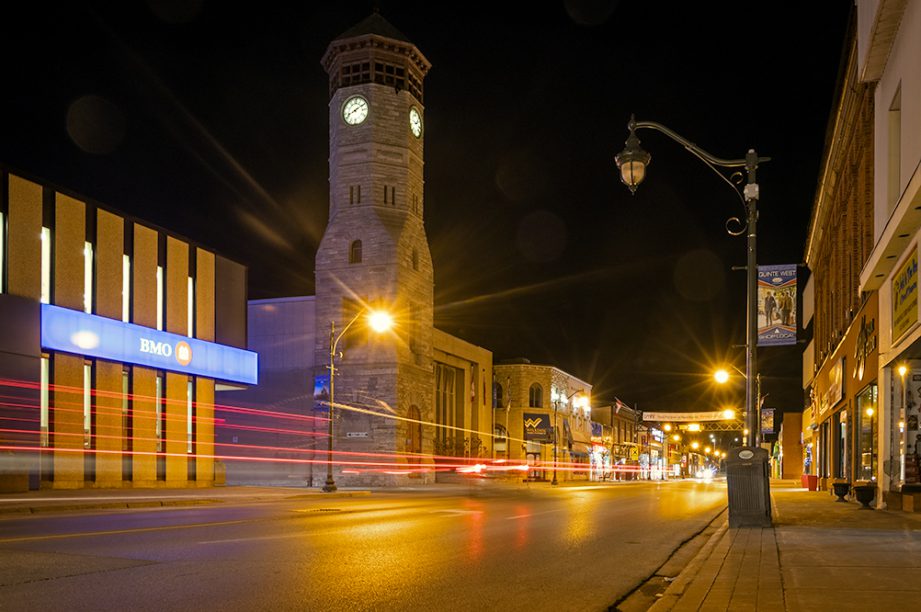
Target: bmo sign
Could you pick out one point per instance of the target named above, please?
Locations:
(89, 335)
(182, 351)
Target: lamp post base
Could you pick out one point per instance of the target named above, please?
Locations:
(330, 486)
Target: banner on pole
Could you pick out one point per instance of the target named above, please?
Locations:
(777, 305)
(767, 420)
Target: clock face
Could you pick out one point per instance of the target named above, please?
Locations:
(355, 110)
(415, 122)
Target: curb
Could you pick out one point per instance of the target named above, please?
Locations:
(672, 595)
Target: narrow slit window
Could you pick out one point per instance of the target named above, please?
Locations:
(45, 400)
(87, 405)
(160, 297)
(46, 266)
(88, 277)
(126, 288)
(190, 417)
(191, 307)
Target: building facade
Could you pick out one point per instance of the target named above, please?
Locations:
(115, 335)
(543, 417)
(411, 402)
(840, 362)
(888, 52)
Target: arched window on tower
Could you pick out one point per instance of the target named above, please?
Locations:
(355, 252)
(536, 396)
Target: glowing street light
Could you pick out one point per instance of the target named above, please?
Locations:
(379, 321)
(721, 376)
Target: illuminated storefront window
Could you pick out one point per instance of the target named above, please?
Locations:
(867, 410)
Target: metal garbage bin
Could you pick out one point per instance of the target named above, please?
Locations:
(748, 481)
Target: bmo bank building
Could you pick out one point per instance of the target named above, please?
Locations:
(114, 336)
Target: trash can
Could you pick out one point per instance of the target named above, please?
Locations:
(748, 481)
(812, 482)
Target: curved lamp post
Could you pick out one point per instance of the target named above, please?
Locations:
(633, 161)
(379, 321)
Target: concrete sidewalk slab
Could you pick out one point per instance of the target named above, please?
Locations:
(819, 554)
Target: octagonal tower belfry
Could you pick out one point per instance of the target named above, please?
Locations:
(374, 252)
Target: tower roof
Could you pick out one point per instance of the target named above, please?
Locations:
(374, 24)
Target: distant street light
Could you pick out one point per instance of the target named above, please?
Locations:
(379, 321)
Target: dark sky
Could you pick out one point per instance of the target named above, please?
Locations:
(210, 119)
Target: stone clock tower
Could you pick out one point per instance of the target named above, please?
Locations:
(374, 254)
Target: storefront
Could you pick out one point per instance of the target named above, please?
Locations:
(843, 412)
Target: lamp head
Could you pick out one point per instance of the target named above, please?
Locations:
(380, 320)
(632, 161)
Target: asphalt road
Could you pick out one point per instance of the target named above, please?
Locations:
(469, 548)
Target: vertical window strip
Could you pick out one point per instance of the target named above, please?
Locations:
(46, 266)
(160, 298)
(88, 277)
(126, 288)
(158, 408)
(2, 251)
(190, 417)
(45, 396)
(191, 307)
(126, 412)
(87, 405)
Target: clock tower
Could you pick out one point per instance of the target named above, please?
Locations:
(374, 254)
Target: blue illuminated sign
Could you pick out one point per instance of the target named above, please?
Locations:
(76, 332)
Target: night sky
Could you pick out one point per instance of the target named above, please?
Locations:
(210, 119)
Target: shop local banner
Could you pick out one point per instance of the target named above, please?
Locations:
(777, 305)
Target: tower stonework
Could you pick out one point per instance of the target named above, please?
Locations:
(374, 254)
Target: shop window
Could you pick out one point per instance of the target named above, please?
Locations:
(867, 409)
(536, 396)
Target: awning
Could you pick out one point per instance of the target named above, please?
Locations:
(580, 448)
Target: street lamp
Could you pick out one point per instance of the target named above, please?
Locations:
(744, 508)
(379, 321)
(556, 403)
(632, 163)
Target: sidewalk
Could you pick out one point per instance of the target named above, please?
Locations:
(820, 554)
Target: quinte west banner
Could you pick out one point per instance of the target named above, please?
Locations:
(777, 305)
